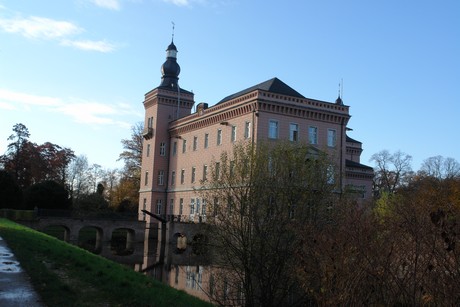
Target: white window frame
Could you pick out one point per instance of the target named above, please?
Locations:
(273, 131)
(313, 135)
(233, 135)
(331, 137)
(195, 143)
(159, 206)
(181, 206)
(193, 174)
(293, 132)
(219, 137)
(206, 140)
(247, 130)
(205, 172)
(161, 177)
(182, 176)
(192, 206)
(162, 149)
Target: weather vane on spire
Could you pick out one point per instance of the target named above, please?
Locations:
(173, 25)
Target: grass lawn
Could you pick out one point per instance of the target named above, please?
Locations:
(65, 275)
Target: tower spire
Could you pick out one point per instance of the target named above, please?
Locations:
(170, 69)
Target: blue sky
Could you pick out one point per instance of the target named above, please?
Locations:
(75, 72)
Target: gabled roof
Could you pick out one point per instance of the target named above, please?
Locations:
(274, 85)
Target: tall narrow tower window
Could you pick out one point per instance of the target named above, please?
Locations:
(184, 146)
(247, 130)
(174, 148)
(206, 140)
(313, 135)
(162, 149)
(293, 132)
(161, 177)
(219, 136)
(233, 136)
(195, 143)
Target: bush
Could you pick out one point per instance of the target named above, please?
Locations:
(46, 195)
(10, 192)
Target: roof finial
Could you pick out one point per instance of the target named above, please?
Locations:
(173, 24)
(339, 98)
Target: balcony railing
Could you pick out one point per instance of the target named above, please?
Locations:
(147, 133)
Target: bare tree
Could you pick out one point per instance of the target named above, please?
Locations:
(78, 177)
(440, 167)
(132, 154)
(258, 199)
(391, 170)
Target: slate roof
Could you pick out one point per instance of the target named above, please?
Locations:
(349, 163)
(274, 85)
(350, 140)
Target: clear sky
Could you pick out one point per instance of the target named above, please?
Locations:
(75, 71)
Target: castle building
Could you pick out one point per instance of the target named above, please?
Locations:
(179, 146)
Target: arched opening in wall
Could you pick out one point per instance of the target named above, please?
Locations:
(90, 238)
(122, 242)
(199, 244)
(60, 232)
(180, 242)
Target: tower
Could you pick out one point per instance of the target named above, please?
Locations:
(164, 104)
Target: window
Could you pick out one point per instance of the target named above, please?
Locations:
(197, 209)
(161, 177)
(146, 178)
(193, 174)
(159, 206)
(162, 149)
(219, 136)
(150, 122)
(195, 142)
(273, 129)
(233, 136)
(181, 206)
(205, 172)
(182, 176)
(217, 170)
(203, 208)
(192, 206)
(330, 174)
(171, 206)
(184, 146)
(173, 177)
(293, 132)
(148, 150)
(313, 135)
(247, 130)
(331, 137)
(174, 148)
(144, 206)
(206, 140)
(216, 206)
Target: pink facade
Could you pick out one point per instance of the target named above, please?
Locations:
(180, 146)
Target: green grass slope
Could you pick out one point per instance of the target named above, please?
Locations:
(65, 275)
